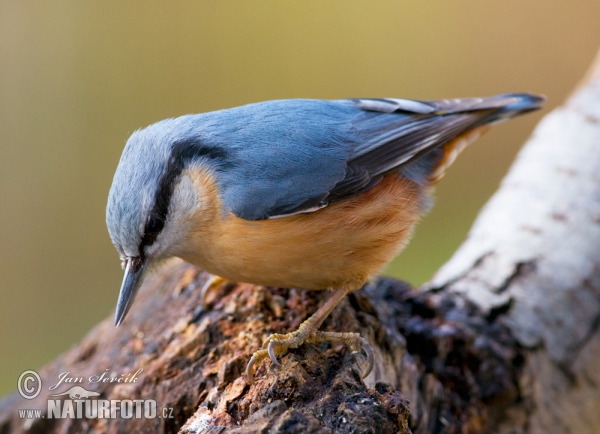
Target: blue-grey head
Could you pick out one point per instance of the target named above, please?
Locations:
(150, 203)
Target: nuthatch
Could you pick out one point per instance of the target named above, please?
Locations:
(294, 193)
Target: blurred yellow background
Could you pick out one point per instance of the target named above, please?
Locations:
(77, 78)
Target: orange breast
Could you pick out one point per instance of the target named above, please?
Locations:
(340, 245)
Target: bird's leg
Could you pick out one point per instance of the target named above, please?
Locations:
(210, 285)
(278, 344)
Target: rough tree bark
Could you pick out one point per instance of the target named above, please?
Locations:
(504, 339)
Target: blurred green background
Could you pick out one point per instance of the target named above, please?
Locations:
(77, 78)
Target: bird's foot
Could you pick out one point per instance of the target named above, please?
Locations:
(278, 344)
(210, 285)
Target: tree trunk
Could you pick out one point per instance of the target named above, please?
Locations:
(504, 339)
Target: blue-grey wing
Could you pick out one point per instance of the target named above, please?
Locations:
(281, 156)
(296, 156)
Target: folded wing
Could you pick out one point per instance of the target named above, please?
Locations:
(391, 133)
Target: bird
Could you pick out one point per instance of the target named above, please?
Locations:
(298, 193)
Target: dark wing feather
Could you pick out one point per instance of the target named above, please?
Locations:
(395, 141)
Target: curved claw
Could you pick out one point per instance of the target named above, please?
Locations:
(271, 351)
(212, 283)
(370, 357)
(266, 343)
(256, 358)
(368, 352)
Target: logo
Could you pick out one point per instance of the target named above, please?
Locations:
(78, 402)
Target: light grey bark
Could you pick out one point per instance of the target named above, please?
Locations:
(536, 246)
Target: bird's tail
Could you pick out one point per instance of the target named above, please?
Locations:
(501, 108)
(509, 105)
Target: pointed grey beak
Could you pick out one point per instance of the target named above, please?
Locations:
(131, 283)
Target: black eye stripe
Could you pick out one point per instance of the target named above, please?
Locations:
(182, 153)
(153, 227)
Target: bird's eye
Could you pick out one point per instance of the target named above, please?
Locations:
(155, 225)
